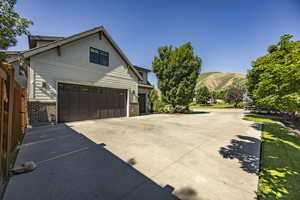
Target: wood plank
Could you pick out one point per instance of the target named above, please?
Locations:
(2, 73)
(100, 35)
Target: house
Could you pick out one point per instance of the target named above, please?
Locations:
(80, 77)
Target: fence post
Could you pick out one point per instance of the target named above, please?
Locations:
(2, 124)
(10, 86)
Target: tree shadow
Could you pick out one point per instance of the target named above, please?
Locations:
(187, 193)
(246, 150)
(280, 166)
(197, 112)
(256, 126)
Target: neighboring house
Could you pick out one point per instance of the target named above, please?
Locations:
(84, 76)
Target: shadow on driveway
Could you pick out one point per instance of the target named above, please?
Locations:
(246, 150)
(70, 166)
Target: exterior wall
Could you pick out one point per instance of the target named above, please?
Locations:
(134, 109)
(73, 66)
(41, 112)
(146, 91)
(20, 76)
(144, 75)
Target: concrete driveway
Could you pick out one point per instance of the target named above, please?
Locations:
(212, 154)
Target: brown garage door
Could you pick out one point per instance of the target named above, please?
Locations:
(76, 102)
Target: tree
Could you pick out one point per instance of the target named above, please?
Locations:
(214, 96)
(234, 95)
(11, 25)
(155, 102)
(177, 70)
(222, 94)
(202, 95)
(274, 80)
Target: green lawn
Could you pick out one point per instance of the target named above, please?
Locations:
(279, 177)
(223, 105)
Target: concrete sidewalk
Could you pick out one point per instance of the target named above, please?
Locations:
(70, 166)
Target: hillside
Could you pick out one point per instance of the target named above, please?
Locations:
(221, 80)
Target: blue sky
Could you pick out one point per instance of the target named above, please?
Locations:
(226, 34)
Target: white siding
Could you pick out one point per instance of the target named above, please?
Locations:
(19, 77)
(73, 66)
(143, 90)
(144, 76)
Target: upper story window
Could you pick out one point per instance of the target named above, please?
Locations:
(99, 57)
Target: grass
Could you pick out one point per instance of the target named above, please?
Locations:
(223, 105)
(279, 176)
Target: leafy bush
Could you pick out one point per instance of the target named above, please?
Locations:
(239, 105)
(202, 95)
(159, 106)
(156, 104)
(234, 95)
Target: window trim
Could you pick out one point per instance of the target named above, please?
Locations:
(99, 53)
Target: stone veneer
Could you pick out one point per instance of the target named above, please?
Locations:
(134, 109)
(45, 112)
(41, 112)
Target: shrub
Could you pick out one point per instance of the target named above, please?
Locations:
(239, 105)
(202, 95)
(156, 104)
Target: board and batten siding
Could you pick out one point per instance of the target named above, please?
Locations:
(73, 66)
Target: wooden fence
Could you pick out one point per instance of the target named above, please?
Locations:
(13, 118)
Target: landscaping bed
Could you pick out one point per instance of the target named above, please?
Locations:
(219, 105)
(279, 175)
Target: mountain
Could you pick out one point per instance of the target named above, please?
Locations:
(221, 80)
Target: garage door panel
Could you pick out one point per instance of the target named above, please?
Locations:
(65, 104)
(74, 106)
(77, 102)
(99, 100)
(83, 103)
(93, 111)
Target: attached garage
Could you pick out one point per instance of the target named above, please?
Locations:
(59, 67)
(78, 102)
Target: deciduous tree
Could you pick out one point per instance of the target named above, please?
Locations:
(177, 70)
(234, 95)
(203, 95)
(11, 25)
(274, 79)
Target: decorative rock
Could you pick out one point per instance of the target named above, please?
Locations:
(24, 168)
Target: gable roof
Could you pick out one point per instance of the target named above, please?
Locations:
(142, 68)
(11, 52)
(32, 39)
(62, 41)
